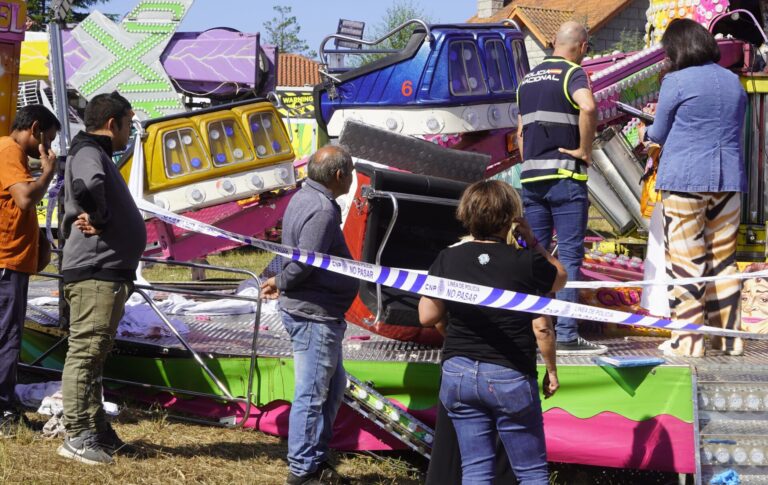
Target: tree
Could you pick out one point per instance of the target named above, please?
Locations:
(283, 31)
(400, 12)
(39, 11)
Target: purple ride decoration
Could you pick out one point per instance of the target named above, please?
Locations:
(218, 61)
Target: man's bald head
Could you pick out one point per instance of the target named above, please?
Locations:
(328, 164)
(571, 41)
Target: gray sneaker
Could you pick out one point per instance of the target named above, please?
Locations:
(112, 444)
(580, 346)
(85, 448)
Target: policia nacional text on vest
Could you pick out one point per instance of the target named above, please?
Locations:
(550, 121)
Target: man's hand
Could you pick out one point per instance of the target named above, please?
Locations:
(83, 223)
(550, 385)
(47, 159)
(269, 289)
(578, 154)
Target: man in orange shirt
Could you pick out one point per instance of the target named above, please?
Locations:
(31, 133)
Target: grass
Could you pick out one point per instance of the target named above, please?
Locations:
(247, 258)
(174, 452)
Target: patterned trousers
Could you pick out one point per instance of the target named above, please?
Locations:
(700, 238)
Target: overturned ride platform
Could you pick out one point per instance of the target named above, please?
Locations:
(687, 416)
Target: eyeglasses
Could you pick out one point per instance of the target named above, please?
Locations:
(590, 47)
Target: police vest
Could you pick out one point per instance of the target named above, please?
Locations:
(550, 121)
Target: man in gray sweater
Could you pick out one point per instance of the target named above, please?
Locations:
(312, 306)
(104, 239)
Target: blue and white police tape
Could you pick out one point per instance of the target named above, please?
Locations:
(443, 288)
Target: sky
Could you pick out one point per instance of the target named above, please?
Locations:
(317, 18)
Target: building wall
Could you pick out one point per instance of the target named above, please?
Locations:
(536, 51)
(486, 8)
(632, 18)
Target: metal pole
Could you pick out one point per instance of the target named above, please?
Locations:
(186, 345)
(59, 84)
(61, 106)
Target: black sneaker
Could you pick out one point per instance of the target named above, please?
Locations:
(112, 444)
(311, 479)
(329, 474)
(11, 421)
(85, 448)
(580, 346)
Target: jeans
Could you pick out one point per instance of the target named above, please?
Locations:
(13, 311)
(482, 399)
(562, 205)
(96, 308)
(319, 380)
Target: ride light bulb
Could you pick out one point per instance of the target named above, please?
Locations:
(471, 118)
(494, 116)
(433, 124)
(708, 456)
(361, 393)
(393, 415)
(257, 183)
(756, 456)
(161, 202)
(722, 456)
(735, 401)
(195, 195)
(282, 174)
(753, 402)
(739, 455)
(378, 405)
(719, 402)
(514, 111)
(392, 124)
(226, 187)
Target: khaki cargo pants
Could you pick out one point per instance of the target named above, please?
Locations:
(96, 308)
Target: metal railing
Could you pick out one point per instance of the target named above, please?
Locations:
(369, 193)
(323, 51)
(142, 291)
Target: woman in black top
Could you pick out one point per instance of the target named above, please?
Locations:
(489, 357)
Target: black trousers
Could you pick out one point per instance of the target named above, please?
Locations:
(13, 311)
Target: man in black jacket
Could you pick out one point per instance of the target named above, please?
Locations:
(105, 237)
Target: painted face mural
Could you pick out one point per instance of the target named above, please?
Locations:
(754, 301)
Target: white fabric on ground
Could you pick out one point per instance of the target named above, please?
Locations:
(44, 301)
(143, 321)
(46, 396)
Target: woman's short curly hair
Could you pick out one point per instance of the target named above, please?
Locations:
(488, 207)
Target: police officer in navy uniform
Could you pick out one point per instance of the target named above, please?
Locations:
(556, 127)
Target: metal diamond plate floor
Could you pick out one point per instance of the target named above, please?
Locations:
(232, 335)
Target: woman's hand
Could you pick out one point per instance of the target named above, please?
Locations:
(524, 230)
(550, 385)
